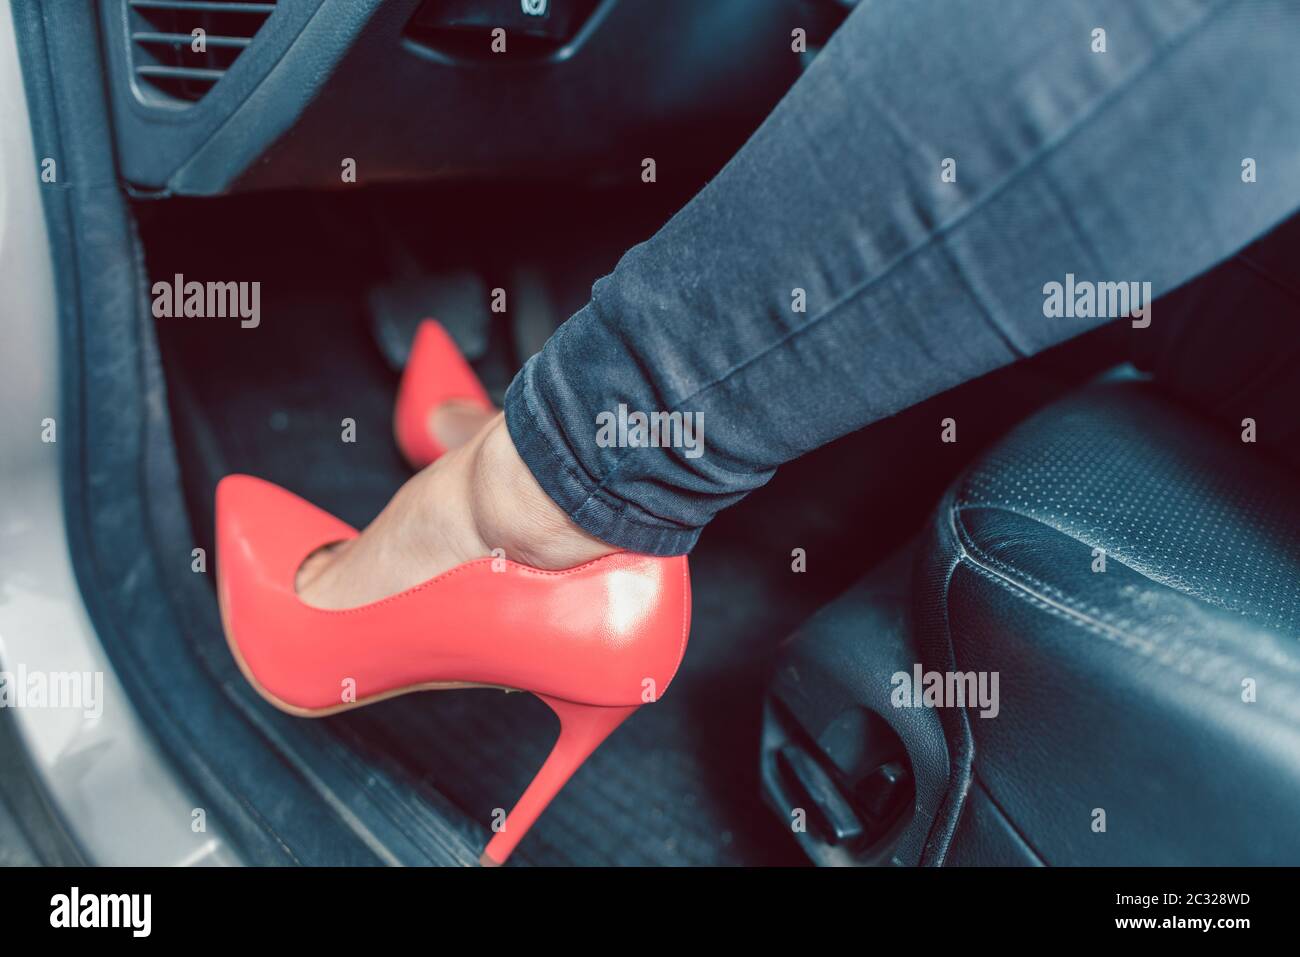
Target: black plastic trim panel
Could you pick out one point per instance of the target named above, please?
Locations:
(177, 146)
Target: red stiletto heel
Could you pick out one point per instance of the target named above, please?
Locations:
(590, 641)
(435, 373)
(583, 728)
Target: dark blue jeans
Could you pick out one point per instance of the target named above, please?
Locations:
(952, 185)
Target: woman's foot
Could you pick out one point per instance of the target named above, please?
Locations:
(476, 498)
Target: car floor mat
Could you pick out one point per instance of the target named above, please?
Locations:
(678, 784)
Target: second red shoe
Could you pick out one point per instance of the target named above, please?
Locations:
(436, 373)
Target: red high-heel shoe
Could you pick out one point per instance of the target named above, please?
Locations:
(435, 373)
(594, 642)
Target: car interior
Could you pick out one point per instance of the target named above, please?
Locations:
(370, 164)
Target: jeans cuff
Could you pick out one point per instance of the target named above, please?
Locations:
(559, 471)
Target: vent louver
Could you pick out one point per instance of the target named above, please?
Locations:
(163, 41)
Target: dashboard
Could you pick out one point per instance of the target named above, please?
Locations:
(213, 97)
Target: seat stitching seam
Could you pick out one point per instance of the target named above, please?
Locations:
(962, 764)
(1090, 611)
(1134, 643)
(1199, 595)
(1118, 623)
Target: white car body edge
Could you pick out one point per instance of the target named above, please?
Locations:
(104, 772)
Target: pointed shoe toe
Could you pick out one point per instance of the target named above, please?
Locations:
(435, 373)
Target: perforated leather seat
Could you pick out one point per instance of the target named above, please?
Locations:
(1149, 712)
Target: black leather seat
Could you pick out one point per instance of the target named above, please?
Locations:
(1162, 692)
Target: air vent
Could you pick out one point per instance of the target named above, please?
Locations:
(163, 42)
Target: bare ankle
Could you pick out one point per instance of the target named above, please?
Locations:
(476, 499)
(513, 513)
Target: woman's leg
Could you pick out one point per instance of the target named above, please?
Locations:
(1123, 165)
(886, 234)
